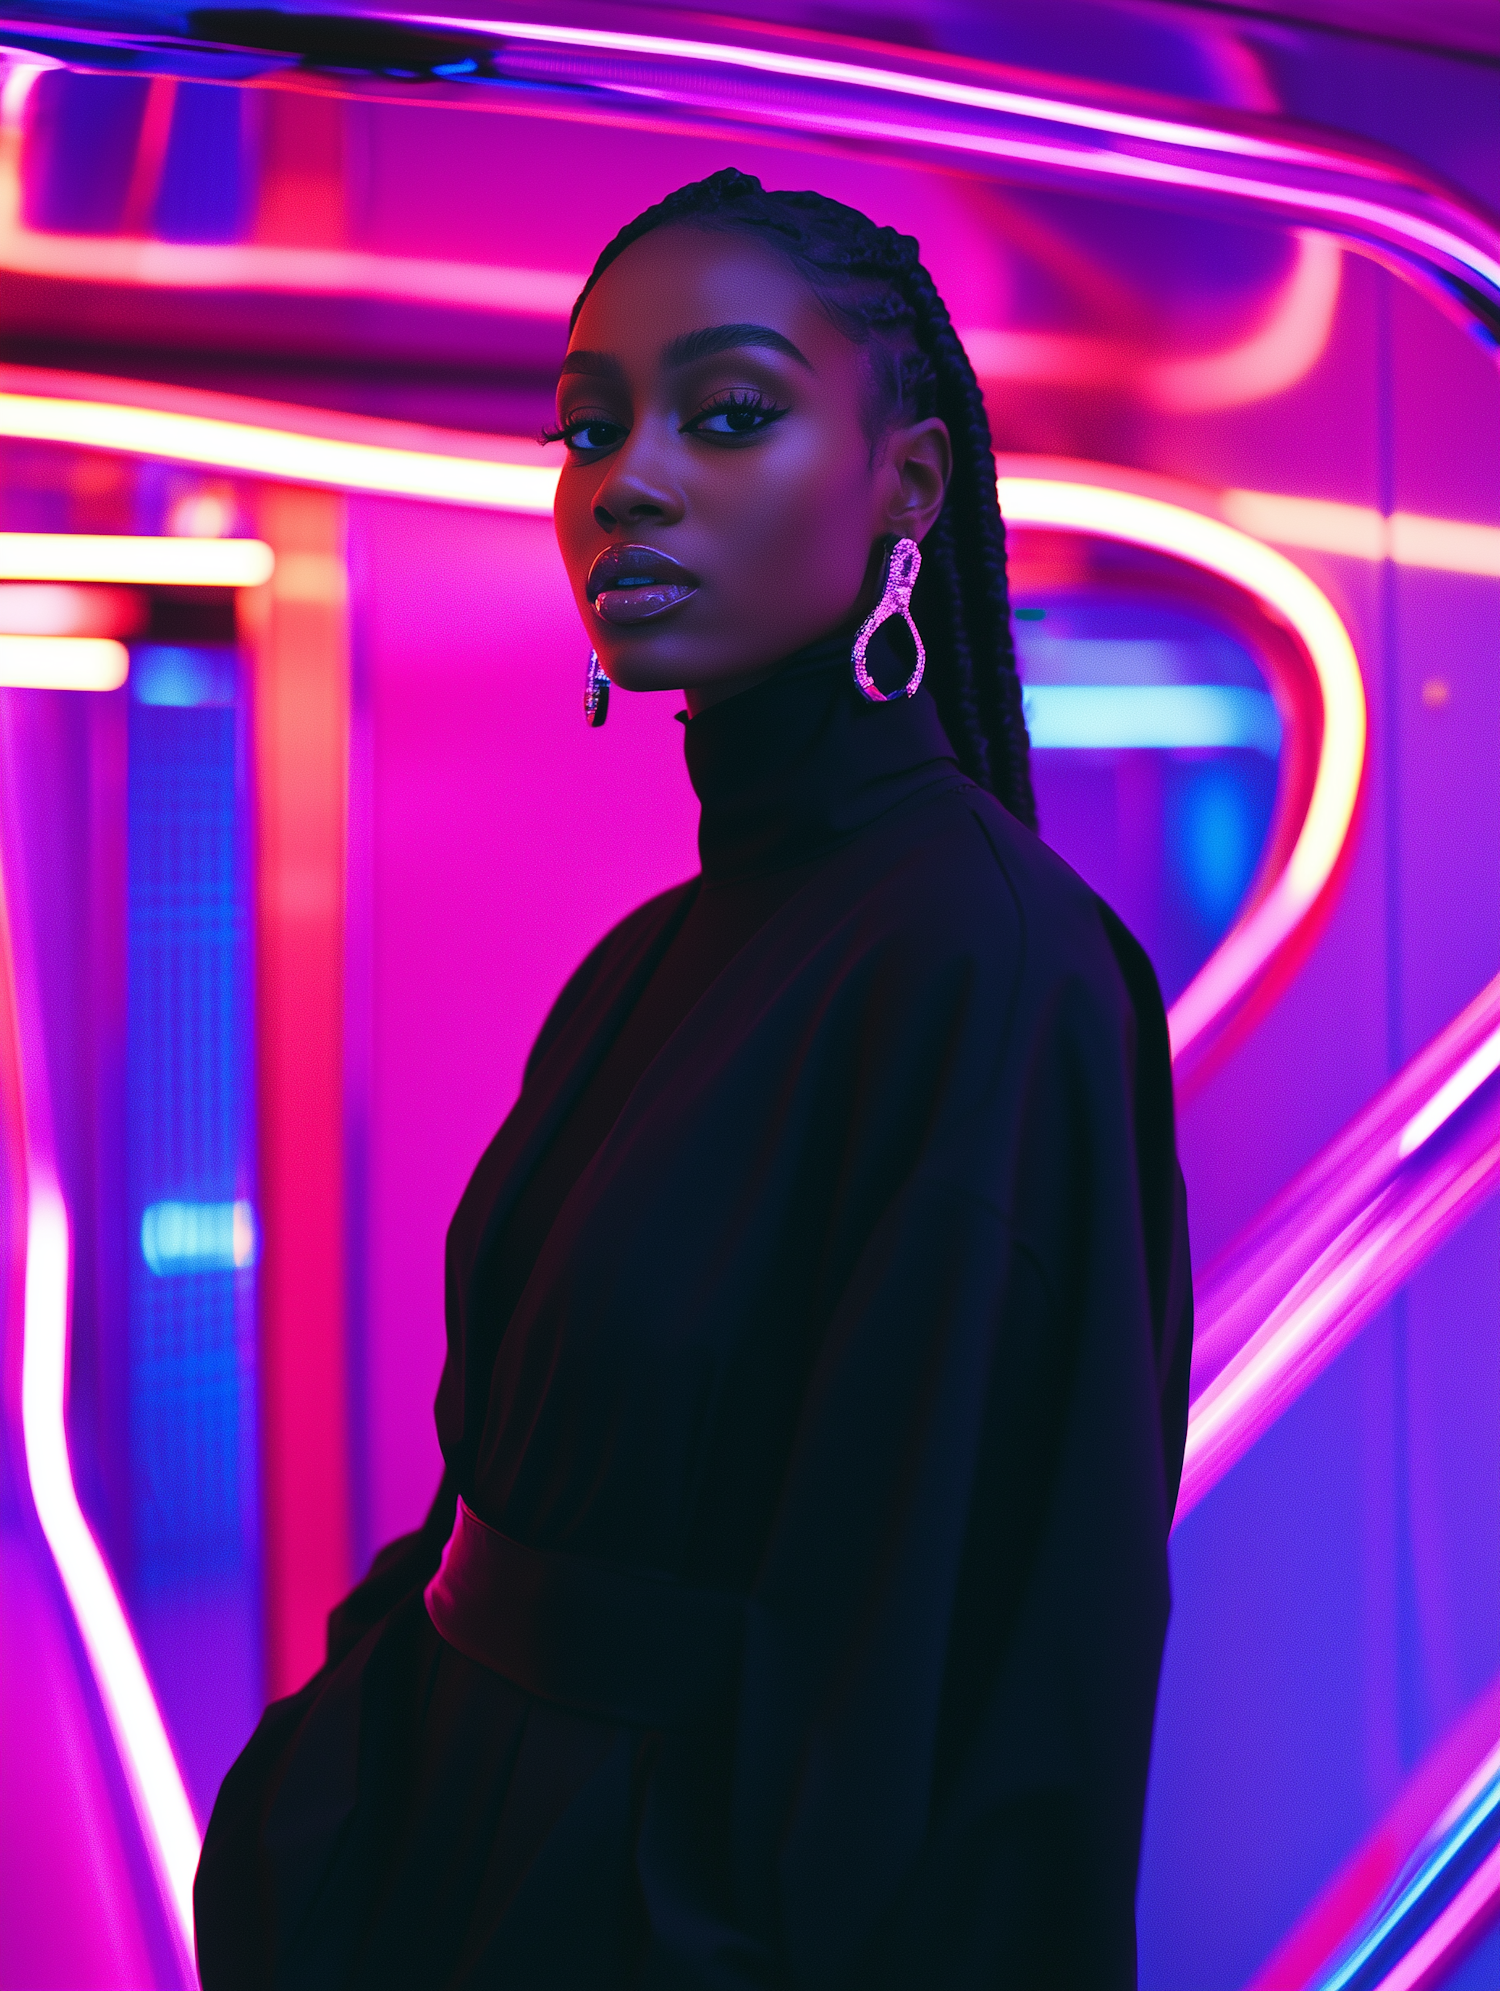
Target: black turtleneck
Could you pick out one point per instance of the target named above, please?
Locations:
(831, 1262)
(785, 774)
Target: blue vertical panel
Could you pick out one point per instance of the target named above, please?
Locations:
(191, 1210)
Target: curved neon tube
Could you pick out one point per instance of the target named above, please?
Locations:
(1412, 231)
(1222, 549)
(155, 1782)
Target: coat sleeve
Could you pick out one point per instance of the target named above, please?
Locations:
(953, 1655)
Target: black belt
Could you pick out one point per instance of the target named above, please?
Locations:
(594, 1636)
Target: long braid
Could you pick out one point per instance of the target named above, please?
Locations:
(873, 284)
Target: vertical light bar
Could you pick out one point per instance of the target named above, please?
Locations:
(299, 635)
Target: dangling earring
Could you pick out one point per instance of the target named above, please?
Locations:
(903, 562)
(595, 692)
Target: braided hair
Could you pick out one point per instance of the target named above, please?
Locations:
(874, 287)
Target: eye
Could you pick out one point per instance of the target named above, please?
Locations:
(587, 435)
(735, 419)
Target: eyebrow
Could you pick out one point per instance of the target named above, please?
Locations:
(713, 339)
(689, 348)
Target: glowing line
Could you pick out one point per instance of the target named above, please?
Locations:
(1446, 1101)
(278, 453)
(1346, 209)
(864, 76)
(1083, 716)
(148, 562)
(155, 1781)
(63, 663)
(1209, 543)
(1449, 546)
(1422, 1964)
(1436, 1939)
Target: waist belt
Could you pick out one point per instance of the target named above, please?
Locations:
(605, 1640)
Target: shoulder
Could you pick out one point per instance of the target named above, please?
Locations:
(621, 947)
(973, 881)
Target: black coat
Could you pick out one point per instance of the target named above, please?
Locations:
(833, 1256)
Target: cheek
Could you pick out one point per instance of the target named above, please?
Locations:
(804, 523)
(573, 524)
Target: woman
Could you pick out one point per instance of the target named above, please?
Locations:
(792, 1607)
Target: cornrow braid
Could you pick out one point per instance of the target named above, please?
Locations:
(872, 283)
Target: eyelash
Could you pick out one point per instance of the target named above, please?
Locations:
(728, 404)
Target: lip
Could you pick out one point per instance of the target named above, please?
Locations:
(629, 584)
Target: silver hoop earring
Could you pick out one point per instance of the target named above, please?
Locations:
(903, 563)
(595, 692)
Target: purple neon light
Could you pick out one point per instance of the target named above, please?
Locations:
(1341, 1239)
(988, 113)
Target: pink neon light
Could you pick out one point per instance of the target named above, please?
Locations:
(1282, 349)
(1241, 959)
(1341, 1239)
(252, 266)
(156, 1785)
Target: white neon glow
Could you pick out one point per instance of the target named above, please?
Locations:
(123, 557)
(1445, 1102)
(151, 1769)
(283, 454)
(199, 1237)
(63, 663)
(1209, 543)
(1151, 715)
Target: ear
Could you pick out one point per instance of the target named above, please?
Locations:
(917, 464)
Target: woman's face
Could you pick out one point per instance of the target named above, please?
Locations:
(720, 505)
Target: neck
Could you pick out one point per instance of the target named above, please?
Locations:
(799, 761)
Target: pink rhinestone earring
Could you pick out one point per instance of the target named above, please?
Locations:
(903, 562)
(595, 692)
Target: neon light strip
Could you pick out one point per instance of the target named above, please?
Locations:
(120, 557)
(1277, 1308)
(283, 454)
(1083, 716)
(1449, 546)
(1446, 1101)
(156, 1785)
(864, 76)
(63, 663)
(1429, 1959)
(1411, 1898)
(1273, 579)
(1359, 214)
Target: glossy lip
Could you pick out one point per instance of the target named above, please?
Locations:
(629, 584)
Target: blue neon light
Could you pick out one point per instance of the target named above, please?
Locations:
(1094, 716)
(199, 1237)
(1431, 1880)
(169, 674)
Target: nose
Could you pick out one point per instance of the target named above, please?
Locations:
(634, 489)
